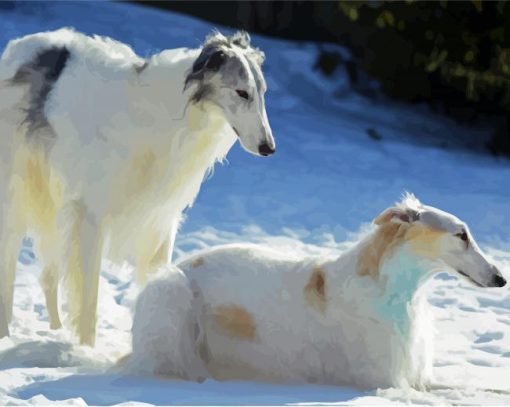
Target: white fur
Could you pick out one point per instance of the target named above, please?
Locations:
(168, 304)
(372, 332)
(128, 155)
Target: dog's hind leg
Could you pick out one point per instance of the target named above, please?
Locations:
(11, 234)
(49, 250)
(4, 325)
(49, 282)
(10, 252)
(4, 313)
(10, 245)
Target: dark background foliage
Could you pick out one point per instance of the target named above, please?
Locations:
(453, 55)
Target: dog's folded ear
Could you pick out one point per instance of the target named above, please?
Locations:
(241, 39)
(215, 61)
(210, 59)
(397, 215)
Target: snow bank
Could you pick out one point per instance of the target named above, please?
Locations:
(327, 179)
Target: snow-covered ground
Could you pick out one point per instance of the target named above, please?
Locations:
(327, 180)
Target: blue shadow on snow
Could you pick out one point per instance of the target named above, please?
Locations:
(113, 388)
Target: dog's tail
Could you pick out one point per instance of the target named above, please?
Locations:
(29, 67)
(21, 51)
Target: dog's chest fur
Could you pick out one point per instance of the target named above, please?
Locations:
(160, 181)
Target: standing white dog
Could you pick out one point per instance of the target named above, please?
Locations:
(244, 312)
(101, 150)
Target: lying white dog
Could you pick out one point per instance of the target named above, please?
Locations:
(244, 312)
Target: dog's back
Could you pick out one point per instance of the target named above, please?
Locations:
(238, 274)
(48, 140)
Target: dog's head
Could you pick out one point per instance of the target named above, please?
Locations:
(441, 239)
(228, 73)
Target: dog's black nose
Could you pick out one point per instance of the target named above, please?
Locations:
(498, 281)
(265, 150)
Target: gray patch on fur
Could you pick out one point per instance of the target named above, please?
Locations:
(200, 66)
(213, 57)
(40, 75)
(201, 93)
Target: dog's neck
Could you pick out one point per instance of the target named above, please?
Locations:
(401, 276)
(388, 293)
(214, 136)
(390, 301)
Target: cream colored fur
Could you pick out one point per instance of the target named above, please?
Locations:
(124, 154)
(330, 321)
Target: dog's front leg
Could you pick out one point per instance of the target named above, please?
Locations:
(84, 266)
(154, 249)
(91, 248)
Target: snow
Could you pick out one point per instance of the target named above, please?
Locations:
(326, 182)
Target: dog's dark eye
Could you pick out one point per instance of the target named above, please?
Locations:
(462, 236)
(242, 93)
